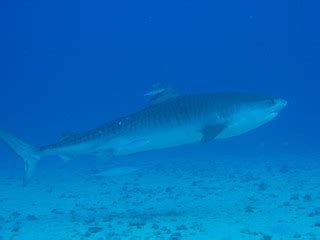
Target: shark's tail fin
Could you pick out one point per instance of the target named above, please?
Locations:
(28, 153)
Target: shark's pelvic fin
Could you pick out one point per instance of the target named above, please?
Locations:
(133, 144)
(210, 132)
(28, 153)
(161, 93)
(65, 158)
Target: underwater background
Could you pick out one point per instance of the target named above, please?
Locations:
(68, 66)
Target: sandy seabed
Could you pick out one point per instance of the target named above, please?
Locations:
(270, 197)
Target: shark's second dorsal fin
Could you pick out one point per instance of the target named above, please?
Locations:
(161, 93)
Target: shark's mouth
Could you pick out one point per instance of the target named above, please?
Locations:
(279, 104)
(276, 111)
(273, 114)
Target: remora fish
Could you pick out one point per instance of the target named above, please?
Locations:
(169, 120)
(117, 171)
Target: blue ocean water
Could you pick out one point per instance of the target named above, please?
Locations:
(69, 66)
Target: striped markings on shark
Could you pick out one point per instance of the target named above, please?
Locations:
(170, 119)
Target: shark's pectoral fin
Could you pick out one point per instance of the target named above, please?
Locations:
(210, 132)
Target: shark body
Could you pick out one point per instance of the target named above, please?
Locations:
(170, 120)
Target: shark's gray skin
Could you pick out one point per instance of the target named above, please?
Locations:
(169, 120)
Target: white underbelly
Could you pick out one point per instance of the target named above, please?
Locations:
(238, 129)
(158, 140)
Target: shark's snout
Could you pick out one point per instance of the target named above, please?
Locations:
(279, 104)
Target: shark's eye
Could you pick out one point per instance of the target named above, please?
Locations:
(269, 103)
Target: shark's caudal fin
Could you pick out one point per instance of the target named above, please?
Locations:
(28, 153)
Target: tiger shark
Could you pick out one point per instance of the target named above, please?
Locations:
(170, 119)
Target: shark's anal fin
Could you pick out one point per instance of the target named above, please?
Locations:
(210, 132)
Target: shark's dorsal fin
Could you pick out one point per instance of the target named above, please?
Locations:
(161, 93)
